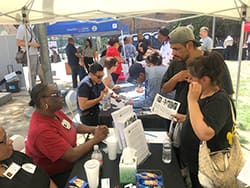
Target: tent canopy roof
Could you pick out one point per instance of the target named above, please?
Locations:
(60, 10)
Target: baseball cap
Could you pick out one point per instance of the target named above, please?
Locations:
(182, 34)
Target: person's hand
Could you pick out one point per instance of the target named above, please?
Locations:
(139, 89)
(116, 86)
(106, 90)
(179, 118)
(116, 96)
(35, 44)
(102, 94)
(130, 101)
(194, 91)
(181, 76)
(101, 132)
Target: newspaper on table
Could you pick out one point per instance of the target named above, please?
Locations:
(164, 107)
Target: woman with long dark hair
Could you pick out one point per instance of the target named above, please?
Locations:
(89, 54)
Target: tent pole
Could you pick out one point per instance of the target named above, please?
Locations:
(44, 57)
(122, 41)
(25, 22)
(213, 31)
(239, 60)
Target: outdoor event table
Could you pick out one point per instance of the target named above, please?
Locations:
(149, 121)
(171, 172)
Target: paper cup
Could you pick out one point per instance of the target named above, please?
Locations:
(112, 147)
(92, 172)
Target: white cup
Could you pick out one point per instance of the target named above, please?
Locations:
(92, 171)
(112, 147)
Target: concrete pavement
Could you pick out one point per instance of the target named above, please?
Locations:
(15, 114)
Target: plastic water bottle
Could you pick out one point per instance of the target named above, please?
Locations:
(106, 102)
(97, 154)
(166, 151)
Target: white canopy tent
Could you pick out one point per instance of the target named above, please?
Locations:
(41, 11)
(56, 10)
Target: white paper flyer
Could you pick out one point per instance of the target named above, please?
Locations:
(164, 107)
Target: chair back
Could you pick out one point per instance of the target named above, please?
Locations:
(70, 100)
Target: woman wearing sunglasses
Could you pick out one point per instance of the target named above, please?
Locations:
(51, 140)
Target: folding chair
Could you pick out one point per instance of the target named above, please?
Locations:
(70, 100)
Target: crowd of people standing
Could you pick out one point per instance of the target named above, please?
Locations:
(184, 67)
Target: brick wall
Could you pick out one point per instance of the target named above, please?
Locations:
(141, 26)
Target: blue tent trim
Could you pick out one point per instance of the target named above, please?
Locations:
(101, 25)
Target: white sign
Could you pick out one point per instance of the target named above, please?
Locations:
(135, 138)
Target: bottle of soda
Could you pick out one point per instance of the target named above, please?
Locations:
(97, 154)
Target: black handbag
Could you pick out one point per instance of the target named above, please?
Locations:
(21, 57)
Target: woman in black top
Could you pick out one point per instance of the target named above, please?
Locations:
(209, 112)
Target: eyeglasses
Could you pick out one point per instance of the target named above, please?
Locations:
(99, 76)
(56, 94)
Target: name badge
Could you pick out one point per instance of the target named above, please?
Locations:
(29, 167)
(12, 170)
(66, 124)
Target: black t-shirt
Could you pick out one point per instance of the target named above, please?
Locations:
(181, 87)
(39, 179)
(91, 91)
(217, 114)
(72, 58)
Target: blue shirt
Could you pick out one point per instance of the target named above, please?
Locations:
(154, 76)
(91, 91)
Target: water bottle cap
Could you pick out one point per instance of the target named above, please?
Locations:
(96, 147)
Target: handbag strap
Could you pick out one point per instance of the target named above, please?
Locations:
(233, 132)
(30, 31)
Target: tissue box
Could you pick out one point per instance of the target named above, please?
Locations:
(127, 172)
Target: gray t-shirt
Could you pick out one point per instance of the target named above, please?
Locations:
(30, 38)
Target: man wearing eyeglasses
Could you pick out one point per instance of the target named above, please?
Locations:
(90, 92)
